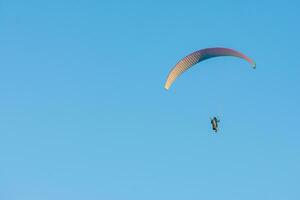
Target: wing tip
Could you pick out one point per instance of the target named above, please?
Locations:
(167, 86)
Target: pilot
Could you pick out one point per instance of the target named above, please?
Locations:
(214, 123)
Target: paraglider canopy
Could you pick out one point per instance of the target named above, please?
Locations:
(198, 56)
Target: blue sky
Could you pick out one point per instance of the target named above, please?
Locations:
(84, 115)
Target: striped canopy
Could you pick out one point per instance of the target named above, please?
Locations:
(198, 56)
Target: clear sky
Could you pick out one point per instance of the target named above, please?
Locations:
(84, 113)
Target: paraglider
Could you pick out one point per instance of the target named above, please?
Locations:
(198, 56)
(214, 123)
